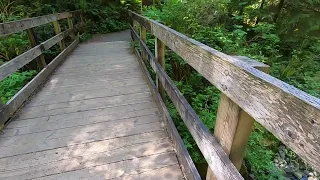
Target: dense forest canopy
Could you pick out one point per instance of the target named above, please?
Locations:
(285, 34)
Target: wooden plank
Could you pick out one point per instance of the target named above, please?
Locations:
(85, 149)
(160, 156)
(143, 36)
(95, 66)
(171, 172)
(57, 30)
(217, 159)
(140, 19)
(86, 80)
(279, 107)
(82, 105)
(21, 25)
(69, 97)
(129, 168)
(15, 102)
(183, 155)
(160, 56)
(13, 65)
(28, 143)
(51, 89)
(41, 62)
(111, 111)
(98, 72)
(70, 26)
(41, 125)
(45, 127)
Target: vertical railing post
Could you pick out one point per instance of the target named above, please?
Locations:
(160, 56)
(41, 62)
(70, 26)
(57, 30)
(233, 125)
(1, 104)
(143, 36)
(82, 22)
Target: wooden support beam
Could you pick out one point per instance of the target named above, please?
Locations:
(143, 36)
(1, 103)
(160, 56)
(57, 30)
(82, 21)
(41, 62)
(8, 28)
(233, 125)
(70, 26)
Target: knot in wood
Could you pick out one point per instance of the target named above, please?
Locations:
(224, 87)
(226, 72)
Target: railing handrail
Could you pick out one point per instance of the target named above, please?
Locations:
(12, 27)
(36, 52)
(289, 113)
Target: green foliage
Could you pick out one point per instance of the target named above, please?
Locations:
(12, 84)
(13, 46)
(104, 19)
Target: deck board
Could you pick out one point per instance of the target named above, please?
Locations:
(94, 118)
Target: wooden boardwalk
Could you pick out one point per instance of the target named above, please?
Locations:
(94, 118)
(101, 115)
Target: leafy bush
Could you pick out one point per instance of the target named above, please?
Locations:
(12, 84)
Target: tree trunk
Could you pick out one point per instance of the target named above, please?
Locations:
(280, 6)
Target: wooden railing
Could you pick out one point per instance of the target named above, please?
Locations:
(36, 52)
(248, 95)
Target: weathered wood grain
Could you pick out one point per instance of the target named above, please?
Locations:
(68, 152)
(139, 167)
(171, 172)
(143, 36)
(149, 119)
(153, 149)
(51, 89)
(107, 111)
(183, 155)
(27, 143)
(287, 112)
(233, 126)
(142, 116)
(16, 101)
(56, 122)
(41, 62)
(21, 25)
(160, 52)
(217, 159)
(21, 60)
(57, 30)
(92, 94)
(83, 105)
(70, 26)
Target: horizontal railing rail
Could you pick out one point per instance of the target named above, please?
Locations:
(248, 95)
(36, 52)
(24, 24)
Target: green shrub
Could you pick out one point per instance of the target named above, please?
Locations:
(12, 84)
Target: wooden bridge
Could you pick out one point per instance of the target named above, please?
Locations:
(94, 112)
